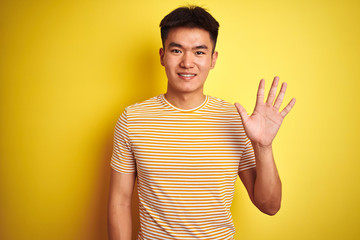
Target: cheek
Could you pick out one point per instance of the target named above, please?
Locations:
(205, 65)
(170, 63)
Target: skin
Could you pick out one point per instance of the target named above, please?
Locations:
(188, 57)
(119, 205)
(263, 183)
(187, 51)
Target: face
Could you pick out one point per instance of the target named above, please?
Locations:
(187, 57)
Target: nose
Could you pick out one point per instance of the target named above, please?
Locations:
(187, 60)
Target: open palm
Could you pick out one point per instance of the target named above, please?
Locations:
(264, 123)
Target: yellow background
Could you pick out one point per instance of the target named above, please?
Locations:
(68, 69)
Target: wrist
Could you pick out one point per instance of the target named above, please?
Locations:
(261, 146)
(263, 153)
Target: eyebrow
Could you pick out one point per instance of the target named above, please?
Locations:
(201, 47)
(174, 44)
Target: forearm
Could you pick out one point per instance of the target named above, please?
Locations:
(267, 187)
(120, 222)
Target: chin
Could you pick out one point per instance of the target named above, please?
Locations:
(186, 89)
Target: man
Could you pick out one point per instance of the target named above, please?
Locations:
(186, 149)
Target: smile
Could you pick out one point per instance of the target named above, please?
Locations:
(186, 75)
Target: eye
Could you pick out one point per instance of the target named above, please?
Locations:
(199, 53)
(175, 51)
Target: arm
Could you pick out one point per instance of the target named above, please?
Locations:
(263, 183)
(119, 206)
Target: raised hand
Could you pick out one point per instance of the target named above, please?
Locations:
(264, 123)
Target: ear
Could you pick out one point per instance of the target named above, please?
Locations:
(161, 53)
(213, 59)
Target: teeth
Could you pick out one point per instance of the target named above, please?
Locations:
(187, 75)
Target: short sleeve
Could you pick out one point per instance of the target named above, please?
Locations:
(247, 159)
(122, 159)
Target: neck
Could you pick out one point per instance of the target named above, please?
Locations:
(185, 101)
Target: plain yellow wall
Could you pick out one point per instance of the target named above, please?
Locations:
(68, 69)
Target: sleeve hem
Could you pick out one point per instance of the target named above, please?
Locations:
(121, 170)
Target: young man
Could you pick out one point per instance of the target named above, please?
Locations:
(186, 149)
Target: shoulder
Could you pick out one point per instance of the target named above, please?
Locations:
(150, 103)
(138, 110)
(221, 105)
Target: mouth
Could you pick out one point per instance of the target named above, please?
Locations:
(187, 75)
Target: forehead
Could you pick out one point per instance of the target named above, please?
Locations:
(189, 37)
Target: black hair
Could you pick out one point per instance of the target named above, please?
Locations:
(192, 17)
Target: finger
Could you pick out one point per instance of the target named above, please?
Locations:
(272, 92)
(287, 109)
(242, 112)
(280, 97)
(260, 93)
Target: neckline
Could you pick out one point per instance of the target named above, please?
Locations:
(185, 110)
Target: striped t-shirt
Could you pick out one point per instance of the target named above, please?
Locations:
(186, 162)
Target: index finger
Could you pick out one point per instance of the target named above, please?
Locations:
(260, 92)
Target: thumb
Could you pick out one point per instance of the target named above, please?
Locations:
(242, 112)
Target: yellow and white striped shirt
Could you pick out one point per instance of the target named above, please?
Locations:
(186, 162)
